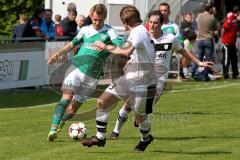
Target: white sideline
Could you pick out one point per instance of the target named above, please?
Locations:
(37, 106)
(173, 91)
(208, 88)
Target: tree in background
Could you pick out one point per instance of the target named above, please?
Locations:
(10, 10)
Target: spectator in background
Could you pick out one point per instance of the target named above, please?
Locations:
(69, 25)
(71, 6)
(87, 21)
(186, 28)
(18, 31)
(80, 21)
(48, 24)
(186, 25)
(57, 27)
(33, 25)
(207, 29)
(188, 46)
(194, 22)
(229, 38)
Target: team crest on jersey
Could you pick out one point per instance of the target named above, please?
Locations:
(163, 46)
(166, 46)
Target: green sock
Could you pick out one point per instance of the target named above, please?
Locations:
(66, 117)
(59, 112)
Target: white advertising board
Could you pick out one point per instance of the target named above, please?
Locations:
(21, 69)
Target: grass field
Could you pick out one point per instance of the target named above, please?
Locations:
(196, 120)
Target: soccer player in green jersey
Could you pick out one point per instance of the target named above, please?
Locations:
(79, 84)
(169, 26)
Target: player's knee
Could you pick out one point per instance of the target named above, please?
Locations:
(127, 107)
(100, 103)
(71, 110)
(73, 107)
(68, 96)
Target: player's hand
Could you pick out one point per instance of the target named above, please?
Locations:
(53, 58)
(206, 64)
(100, 45)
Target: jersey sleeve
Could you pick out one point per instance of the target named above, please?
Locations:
(79, 37)
(135, 39)
(115, 38)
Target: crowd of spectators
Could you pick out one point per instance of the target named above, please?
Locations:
(41, 26)
(209, 30)
(204, 25)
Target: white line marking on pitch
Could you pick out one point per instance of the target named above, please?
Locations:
(173, 91)
(38, 106)
(207, 88)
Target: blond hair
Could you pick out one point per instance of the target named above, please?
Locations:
(100, 9)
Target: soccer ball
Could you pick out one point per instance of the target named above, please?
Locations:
(77, 131)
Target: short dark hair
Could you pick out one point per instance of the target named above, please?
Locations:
(164, 4)
(191, 35)
(208, 6)
(157, 13)
(37, 11)
(48, 10)
(187, 13)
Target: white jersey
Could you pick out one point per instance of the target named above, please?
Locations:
(163, 48)
(140, 68)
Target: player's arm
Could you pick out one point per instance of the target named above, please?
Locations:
(61, 52)
(127, 50)
(67, 48)
(194, 59)
(118, 46)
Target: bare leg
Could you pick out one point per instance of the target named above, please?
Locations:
(105, 104)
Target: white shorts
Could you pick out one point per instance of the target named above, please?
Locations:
(81, 85)
(161, 81)
(142, 96)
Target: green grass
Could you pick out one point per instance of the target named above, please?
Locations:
(196, 120)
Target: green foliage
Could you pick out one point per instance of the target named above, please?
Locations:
(10, 11)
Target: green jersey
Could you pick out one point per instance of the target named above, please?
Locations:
(89, 59)
(172, 28)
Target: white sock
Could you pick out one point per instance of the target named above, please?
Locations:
(185, 72)
(102, 117)
(122, 117)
